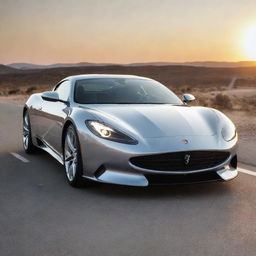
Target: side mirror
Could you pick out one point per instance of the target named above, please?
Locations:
(188, 98)
(50, 96)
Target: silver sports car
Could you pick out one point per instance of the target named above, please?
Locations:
(129, 130)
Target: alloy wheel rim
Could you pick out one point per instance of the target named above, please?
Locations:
(26, 131)
(70, 155)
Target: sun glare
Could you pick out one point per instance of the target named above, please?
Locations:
(250, 43)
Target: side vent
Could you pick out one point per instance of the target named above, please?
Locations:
(100, 171)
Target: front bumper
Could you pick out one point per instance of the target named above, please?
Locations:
(109, 162)
(143, 180)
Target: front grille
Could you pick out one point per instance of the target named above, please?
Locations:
(167, 179)
(181, 161)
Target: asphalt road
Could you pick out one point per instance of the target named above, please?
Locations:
(40, 214)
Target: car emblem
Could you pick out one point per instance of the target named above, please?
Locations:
(187, 159)
(185, 141)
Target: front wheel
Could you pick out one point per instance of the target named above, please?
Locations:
(72, 158)
(28, 145)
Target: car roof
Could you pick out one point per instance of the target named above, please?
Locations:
(90, 76)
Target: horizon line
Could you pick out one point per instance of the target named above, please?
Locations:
(130, 63)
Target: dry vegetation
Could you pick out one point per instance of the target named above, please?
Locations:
(180, 77)
(223, 101)
(210, 85)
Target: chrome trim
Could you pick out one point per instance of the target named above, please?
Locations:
(26, 131)
(49, 150)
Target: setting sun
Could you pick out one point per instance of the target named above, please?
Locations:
(250, 42)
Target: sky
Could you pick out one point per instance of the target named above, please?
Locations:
(125, 31)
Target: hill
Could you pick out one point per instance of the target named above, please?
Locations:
(25, 66)
(213, 64)
(172, 76)
(6, 70)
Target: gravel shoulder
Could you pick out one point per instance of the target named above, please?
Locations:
(246, 126)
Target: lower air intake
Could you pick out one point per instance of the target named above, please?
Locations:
(181, 161)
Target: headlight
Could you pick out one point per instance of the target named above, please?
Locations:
(106, 132)
(229, 131)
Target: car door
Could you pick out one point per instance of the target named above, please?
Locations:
(55, 114)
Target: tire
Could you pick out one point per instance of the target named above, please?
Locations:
(28, 145)
(72, 158)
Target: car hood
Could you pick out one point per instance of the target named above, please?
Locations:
(151, 121)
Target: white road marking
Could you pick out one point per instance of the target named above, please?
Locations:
(12, 103)
(247, 171)
(21, 158)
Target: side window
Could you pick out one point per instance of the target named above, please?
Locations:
(63, 90)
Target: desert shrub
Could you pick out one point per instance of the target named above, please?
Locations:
(30, 89)
(185, 89)
(247, 104)
(188, 89)
(222, 101)
(252, 101)
(13, 91)
(202, 101)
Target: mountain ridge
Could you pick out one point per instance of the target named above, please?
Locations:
(214, 64)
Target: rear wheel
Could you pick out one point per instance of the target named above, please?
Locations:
(72, 158)
(28, 145)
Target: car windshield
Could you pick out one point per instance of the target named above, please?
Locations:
(123, 91)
